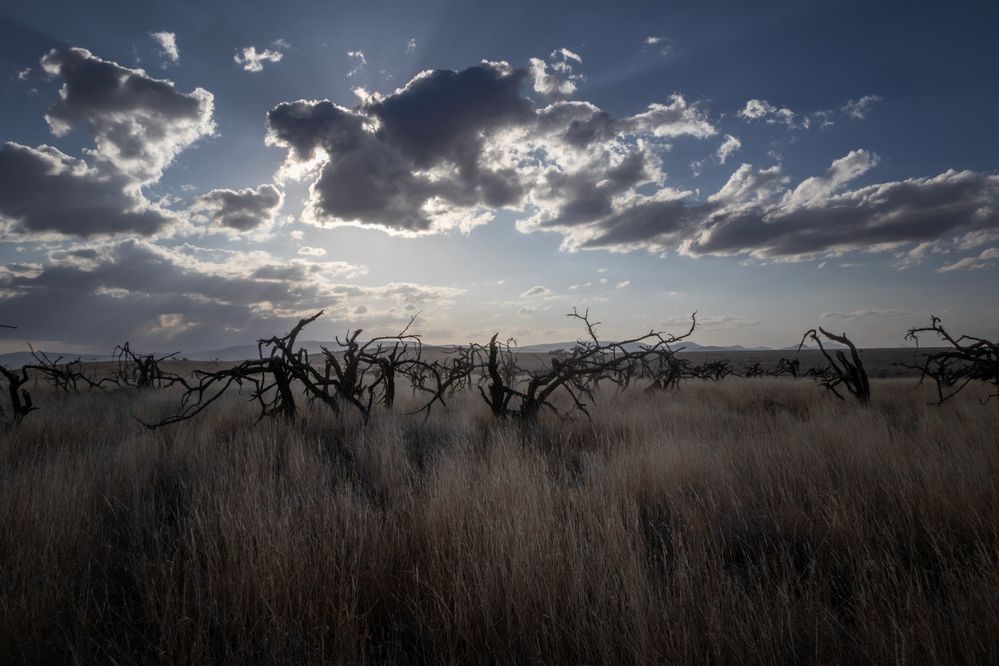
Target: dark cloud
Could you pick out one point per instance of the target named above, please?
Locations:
(240, 210)
(450, 148)
(135, 290)
(46, 191)
(756, 213)
(379, 155)
(139, 124)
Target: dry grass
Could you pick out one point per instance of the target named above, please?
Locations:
(751, 521)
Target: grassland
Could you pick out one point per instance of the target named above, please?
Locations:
(743, 521)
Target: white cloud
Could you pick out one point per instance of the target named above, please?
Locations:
(624, 284)
(359, 58)
(411, 45)
(986, 259)
(307, 251)
(760, 109)
(168, 45)
(871, 313)
(728, 146)
(139, 124)
(562, 79)
(858, 109)
(536, 291)
(252, 60)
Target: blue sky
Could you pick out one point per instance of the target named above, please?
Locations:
(773, 165)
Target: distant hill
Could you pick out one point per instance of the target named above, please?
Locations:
(680, 346)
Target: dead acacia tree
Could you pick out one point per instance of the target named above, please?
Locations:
(968, 359)
(573, 374)
(283, 370)
(20, 403)
(841, 371)
(716, 370)
(142, 371)
(666, 370)
(68, 376)
(786, 366)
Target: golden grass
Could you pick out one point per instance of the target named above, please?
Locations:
(748, 521)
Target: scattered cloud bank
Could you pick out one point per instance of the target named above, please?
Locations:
(449, 149)
(191, 297)
(46, 193)
(138, 124)
(872, 313)
(252, 60)
(987, 258)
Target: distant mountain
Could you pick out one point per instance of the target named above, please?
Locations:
(682, 347)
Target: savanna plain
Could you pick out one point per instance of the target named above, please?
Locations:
(736, 521)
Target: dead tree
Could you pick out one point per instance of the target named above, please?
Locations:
(574, 374)
(754, 369)
(713, 370)
(842, 371)
(666, 371)
(284, 370)
(141, 371)
(968, 359)
(67, 377)
(18, 397)
(786, 366)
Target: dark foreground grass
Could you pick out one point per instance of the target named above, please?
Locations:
(750, 521)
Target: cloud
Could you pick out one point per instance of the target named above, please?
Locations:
(44, 191)
(870, 313)
(757, 213)
(187, 297)
(307, 251)
(449, 149)
(240, 210)
(252, 60)
(359, 58)
(424, 165)
(986, 259)
(562, 79)
(536, 291)
(728, 146)
(760, 109)
(168, 45)
(139, 124)
(816, 189)
(411, 45)
(624, 284)
(707, 322)
(858, 109)
(664, 44)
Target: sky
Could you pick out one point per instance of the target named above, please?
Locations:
(193, 175)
